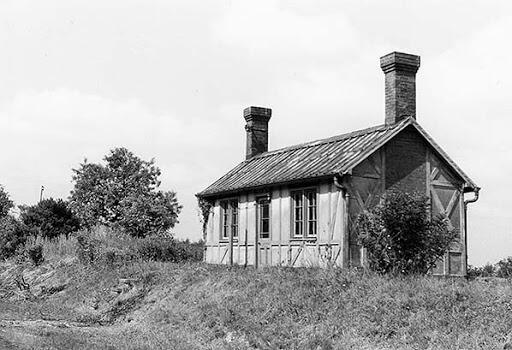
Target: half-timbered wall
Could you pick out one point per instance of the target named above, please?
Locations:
(406, 162)
(409, 164)
(365, 187)
(280, 248)
(445, 190)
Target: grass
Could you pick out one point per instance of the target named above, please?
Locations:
(153, 305)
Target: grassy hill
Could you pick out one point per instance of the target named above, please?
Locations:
(64, 304)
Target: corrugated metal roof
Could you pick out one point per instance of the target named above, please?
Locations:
(316, 159)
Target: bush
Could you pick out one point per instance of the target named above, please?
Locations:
(488, 270)
(49, 218)
(13, 235)
(504, 268)
(107, 246)
(86, 249)
(168, 249)
(35, 254)
(399, 235)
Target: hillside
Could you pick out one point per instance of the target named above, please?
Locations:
(150, 305)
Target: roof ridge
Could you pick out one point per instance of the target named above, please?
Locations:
(327, 140)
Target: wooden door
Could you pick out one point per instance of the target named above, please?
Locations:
(262, 239)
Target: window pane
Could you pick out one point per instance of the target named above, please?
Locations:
(265, 210)
(298, 199)
(225, 219)
(311, 213)
(234, 218)
(298, 214)
(298, 228)
(312, 228)
(311, 198)
(265, 226)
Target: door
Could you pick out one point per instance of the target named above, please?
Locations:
(262, 239)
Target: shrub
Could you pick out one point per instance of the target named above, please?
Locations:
(49, 218)
(504, 268)
(13, 235)
(105, 246)
(35, 254)
(399, 235)
(123, 193)
(168, 249)
(488, 270)
(86, 249)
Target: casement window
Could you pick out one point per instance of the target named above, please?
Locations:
(264, 217)
(229, 218)
(304, 213)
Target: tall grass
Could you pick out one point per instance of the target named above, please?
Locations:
(55, 249)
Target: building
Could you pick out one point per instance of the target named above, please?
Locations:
(296, 206)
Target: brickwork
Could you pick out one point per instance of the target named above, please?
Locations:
(400, 85)
(406, 162)
(257, 130)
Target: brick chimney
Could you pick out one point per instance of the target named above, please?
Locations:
(257, 130)
(400, 74)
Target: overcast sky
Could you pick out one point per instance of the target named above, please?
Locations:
(169, 80)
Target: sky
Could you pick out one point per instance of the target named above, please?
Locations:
(169, 80)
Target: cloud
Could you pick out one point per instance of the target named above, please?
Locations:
(48, 133)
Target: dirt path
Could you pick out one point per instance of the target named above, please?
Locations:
(50, 335)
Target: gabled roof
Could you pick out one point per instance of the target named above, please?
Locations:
(317, 159)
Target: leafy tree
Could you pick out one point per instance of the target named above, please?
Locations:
(5, 202)
(49, 218)
(13, 235)
(400, 236)
(504, 268)
(123, 192)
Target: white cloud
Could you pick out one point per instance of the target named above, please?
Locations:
(48, 133)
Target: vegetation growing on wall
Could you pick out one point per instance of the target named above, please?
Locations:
(401, 237)
(204, 211)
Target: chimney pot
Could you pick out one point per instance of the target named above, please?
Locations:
(257, 130)
(400, 79)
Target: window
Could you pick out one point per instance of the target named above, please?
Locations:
(264, 217)
(304, 215)
(229, 218)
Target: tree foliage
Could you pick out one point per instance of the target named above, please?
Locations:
(6, 203)
(123, 193)
(400, 236)
(13, 234)
(49, 218)
(502, 269)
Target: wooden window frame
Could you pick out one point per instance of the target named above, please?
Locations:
(227, 212)
(259, 216)
(305, 217)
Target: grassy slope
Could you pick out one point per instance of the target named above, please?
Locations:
(196, 306)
